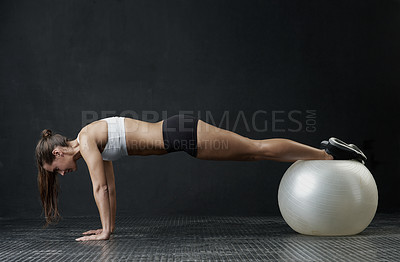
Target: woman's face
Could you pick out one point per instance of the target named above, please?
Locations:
(62, 164)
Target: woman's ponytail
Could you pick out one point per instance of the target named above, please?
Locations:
(47, 181)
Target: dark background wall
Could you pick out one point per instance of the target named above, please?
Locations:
(63, 62)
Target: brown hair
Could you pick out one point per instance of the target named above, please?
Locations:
(47, 181)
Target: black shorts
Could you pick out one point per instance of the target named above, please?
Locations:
(180, 134)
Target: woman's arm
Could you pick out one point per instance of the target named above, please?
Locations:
(94, 161)
(112, 193)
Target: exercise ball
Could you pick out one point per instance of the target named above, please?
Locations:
(328, 197)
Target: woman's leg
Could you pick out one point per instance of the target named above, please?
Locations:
(214, 143)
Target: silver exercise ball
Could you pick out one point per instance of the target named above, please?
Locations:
(328, 197)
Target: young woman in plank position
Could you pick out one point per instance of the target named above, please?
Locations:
(106, 140)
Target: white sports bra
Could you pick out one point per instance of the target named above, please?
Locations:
(116, 144)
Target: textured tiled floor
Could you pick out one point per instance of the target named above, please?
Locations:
(195, 239)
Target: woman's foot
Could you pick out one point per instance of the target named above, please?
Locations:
(343, 151)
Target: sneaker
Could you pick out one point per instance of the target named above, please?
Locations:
(343, 151)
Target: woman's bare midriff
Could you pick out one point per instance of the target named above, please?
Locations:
(144, 138)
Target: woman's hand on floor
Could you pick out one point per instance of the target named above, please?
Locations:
(97, 234)
(93, 232)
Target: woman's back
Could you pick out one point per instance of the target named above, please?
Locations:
(135, 136)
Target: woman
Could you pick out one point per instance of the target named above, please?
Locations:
(106, 140)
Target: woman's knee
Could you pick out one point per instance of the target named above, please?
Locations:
(267, 149)
(253, 151)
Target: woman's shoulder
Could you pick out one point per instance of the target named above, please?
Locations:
(95, 130)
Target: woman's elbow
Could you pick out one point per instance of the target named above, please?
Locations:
(100, 189)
